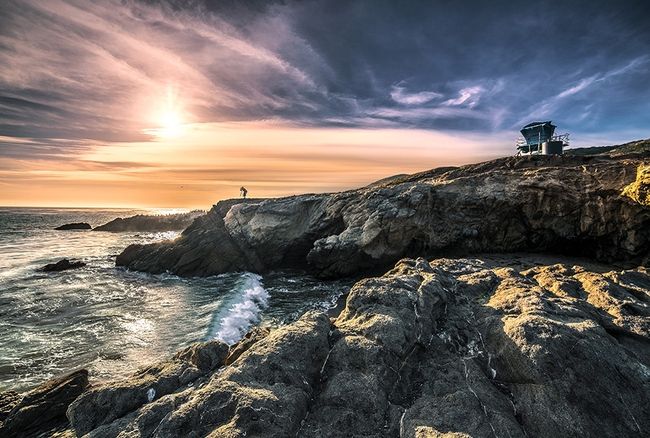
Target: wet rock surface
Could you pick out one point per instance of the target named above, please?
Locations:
(512, 345)
(578, 205)
(41, 410)
(62, 265)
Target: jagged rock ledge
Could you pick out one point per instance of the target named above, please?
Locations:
(494, 346)
(594, 206)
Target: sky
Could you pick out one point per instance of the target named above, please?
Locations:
(179, 103)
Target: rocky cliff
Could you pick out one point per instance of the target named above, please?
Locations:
(593, 205)
(504, 346)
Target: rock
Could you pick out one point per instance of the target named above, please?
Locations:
(254, 335)
(105, 403)
(265, 392)
(43, 408)
(513, 345)
(75, 226)
(62, 265)
(151, 223)
(488, 348)
(570, 204)
(8, 400)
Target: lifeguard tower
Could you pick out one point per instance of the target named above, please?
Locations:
(540, 139)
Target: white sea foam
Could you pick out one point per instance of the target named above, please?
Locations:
(245, 311)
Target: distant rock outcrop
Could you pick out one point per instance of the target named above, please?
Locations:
(75, 226)
(151, 223)
(512, 345)
(565, 204)
(62, 265)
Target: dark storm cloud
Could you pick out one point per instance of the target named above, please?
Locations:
(94, 71)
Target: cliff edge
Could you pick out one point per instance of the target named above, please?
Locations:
(591, 205)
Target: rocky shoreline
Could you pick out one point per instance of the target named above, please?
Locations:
(474, 339)
(508, 345)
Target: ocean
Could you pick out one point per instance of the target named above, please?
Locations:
(111, 320)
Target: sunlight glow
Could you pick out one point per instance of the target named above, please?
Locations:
(171, 124)
(169, 119)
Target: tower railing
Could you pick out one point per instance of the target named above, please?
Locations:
(522, 144)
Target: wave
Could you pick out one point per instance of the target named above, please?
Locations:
(243, 311)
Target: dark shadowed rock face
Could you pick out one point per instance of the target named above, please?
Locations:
(581, 205)
(152, 223)
(499, 346)
(62, 265)
(41, 409)
(75, 226)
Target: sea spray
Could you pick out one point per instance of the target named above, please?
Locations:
(244, 311)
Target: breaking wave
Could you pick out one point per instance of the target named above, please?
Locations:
(242, 311)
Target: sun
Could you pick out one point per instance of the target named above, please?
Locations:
(171, 123)
(168, 118)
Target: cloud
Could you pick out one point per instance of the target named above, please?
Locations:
(78, 74)
(469, 96)
(400, 95)
(600, 82)
(584, 83)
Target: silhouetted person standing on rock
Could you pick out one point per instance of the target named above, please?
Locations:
(243, 191)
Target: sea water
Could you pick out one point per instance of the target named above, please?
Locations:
(111, 320)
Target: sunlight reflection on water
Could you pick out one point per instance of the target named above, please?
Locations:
(108, 319)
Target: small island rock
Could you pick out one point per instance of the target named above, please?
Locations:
(62, 265)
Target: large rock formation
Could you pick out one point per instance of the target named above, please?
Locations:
(495, 346)
(151, 223)
(587, 205)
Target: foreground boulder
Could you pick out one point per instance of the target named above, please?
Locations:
(580, 205)
(264, 391)
(498, 346)
(151, 223)
(75, 226)
(41, 409)
(106, 403)
(62, 265)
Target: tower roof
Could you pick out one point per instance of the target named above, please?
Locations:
(538, 132)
